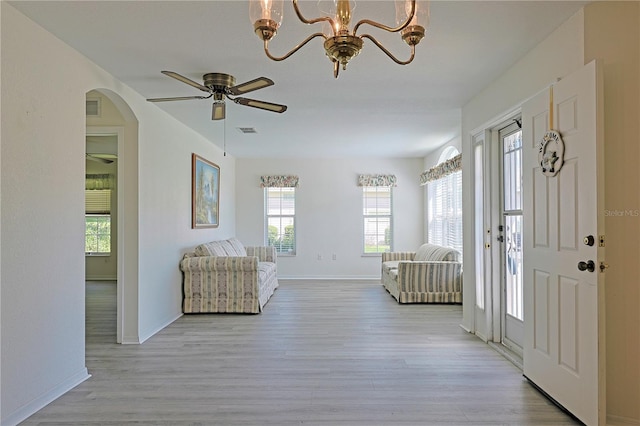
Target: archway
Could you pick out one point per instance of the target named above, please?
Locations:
(114, 117)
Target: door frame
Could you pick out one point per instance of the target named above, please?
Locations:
(488, 324)
(117, 131)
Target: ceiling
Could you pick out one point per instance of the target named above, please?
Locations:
(374, 109)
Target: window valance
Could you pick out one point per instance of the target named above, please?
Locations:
(452, 165)
(377, 180)
(101, 181)
(279, 181)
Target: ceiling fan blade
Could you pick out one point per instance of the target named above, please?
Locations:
(186, 80)
(98, 159)
(218, 112)
(250, 86)
(180, 98)
(261, 104)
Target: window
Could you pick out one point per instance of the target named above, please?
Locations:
(377, 218)
(444, 218)
(478, 167)
(511, 137)
(98, 222)
(280, 219)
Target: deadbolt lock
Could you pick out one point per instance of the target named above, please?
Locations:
(589, 240)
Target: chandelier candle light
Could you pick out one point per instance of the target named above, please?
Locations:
(342, 44)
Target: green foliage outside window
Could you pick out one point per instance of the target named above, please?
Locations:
(283, 243)
(97, 234)
(383, 246)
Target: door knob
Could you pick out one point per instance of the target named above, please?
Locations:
(589, 265)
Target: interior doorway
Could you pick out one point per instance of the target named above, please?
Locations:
(101, 225)
(108, 114)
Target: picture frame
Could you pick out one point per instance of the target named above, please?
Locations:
(205, 193)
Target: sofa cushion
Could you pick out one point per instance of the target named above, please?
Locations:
(238, 247)
(432, 252)
(230, 247)
(212, 248)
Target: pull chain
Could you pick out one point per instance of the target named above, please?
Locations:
(224, 136)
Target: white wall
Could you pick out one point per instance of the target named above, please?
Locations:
(329, 212)
(612, 35)
(43, 164)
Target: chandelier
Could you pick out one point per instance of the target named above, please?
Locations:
(341, 44)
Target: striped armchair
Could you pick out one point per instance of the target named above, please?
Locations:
(433, 274)
(225, 276)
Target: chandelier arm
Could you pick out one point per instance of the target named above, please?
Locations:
(404, 25)
(389, 54)
(313, 21)
(292, 51)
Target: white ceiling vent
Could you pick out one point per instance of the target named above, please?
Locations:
(93, 107)
(247, 129)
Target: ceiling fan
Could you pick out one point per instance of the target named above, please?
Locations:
(221, 86)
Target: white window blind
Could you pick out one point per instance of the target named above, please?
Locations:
(377, 218)
(444, 215)
(97, 201)
(97, 207)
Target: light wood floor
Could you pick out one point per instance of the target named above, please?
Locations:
(322, 353)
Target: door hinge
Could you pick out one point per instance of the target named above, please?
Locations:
(601, 241)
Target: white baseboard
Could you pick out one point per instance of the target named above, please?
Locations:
(329, 278)
(467, 329)
(130, 340)
(43, 400)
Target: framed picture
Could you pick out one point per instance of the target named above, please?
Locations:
(205, 193)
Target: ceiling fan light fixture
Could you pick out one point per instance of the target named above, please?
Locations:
(412, 17)
(218, 111)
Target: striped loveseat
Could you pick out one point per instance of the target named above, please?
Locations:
(433, 274)
(225, 276)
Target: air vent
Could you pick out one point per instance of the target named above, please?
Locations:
(247, 129)
(93, 107)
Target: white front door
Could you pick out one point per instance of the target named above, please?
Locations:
(563, 222)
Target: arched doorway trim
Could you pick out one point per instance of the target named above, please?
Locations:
(127, 231)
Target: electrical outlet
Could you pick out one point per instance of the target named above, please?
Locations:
(319, 256)
(334, 257)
